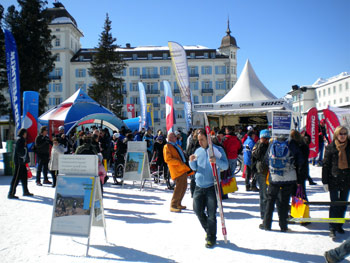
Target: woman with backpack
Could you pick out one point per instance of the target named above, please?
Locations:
(336, 175)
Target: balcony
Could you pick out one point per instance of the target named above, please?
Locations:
(177, 91)
(54, 77)
(149, 76)
(193, 75)
(152, 92)
(156, 120)
(208, 91)
(156, 105)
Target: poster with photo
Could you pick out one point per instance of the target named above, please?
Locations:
(72, 206)
(134, 165)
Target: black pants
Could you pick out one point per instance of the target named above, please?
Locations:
(278, 191)
(20, 174)
(43, 163)
(337, 211)
(54, 177)
(249, 175)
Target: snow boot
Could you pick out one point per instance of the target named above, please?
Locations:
(210, 244)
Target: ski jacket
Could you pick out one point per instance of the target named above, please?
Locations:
(247, 150)
(202, 167)
(259, 158)
(149, 140)
(232, 146)
(21, 156)
(337, 179)
(175, 163)
(42, 146)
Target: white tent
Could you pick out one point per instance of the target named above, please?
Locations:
(248, 88)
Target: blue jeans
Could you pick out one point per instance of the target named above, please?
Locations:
(262, 192)
(337, 211)
(204, 200)
(232, 164)
(339, 253)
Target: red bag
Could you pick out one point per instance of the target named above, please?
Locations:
(29, 172)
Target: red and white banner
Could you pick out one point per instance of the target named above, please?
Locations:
(332, 122)
(312, 130)
(169, 107)
(130, 110)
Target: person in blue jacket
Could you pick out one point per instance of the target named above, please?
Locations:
(247, 158)
(204, 197)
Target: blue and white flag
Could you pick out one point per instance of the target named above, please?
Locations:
(143, 104)
(13, 77)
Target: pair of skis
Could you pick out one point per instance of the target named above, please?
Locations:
(216, 179)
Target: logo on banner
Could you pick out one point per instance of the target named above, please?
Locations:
(312, 130)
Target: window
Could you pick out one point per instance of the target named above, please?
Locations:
(134, 71)
(80, 73)
(57, 29)
(57, 42)
(206, 70)
(346, 86)
(329, 91)
(206, 85)
(324, 103)
(192, 55)
(149, 56)
(165, 55)
(134, 56)
(56, 87)
(219, 97)
(165, 70)
(319, 94)
(180, 114)
(81, 86)
(162, 114)
(57, 101)
(206, 55)
(57, 57)
(192, 70)
(341, 100)
(212, 54)
(220, 85)
(324, 92)
(133, 87)
(334, 101)
(340, 88)
(58, 72)
(177, 99)
(207, 99)
(194, 85)
(233, 55)
(346, 99)
(334, 89)
(195, 100)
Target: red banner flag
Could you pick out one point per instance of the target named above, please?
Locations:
(130, 110)
(332, 122)
(312, 130)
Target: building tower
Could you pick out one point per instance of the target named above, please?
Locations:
(229, 48)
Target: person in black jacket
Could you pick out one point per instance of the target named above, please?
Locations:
(42, 150)
(336, 175)
(261, 167)
(191, 148)
(21, 157)
(158, 154)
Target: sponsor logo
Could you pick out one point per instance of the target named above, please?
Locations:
(313, 130)
(272, 103)
(14, 88)
(242, 105)
(226, 105)
(204, 106)
(313, 149)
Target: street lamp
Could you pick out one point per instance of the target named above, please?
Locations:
(299, 91)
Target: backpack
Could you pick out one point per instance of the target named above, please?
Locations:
(86, 150)
(279, 157)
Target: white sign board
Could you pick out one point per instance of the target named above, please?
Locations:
(136, 162)
(78, 164)
(281, 122)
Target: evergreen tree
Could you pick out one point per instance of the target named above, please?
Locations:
(4, 104)
(106, 67)
(29, 27)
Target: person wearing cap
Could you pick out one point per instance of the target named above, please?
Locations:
(178, 138)
(261, 167)
(42, 150)
(249, 128)
(247, 158)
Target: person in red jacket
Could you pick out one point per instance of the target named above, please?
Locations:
(232, 146)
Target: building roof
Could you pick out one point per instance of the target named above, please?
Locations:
(248, 88)
(59, 15)
(228, 40)
(322, 82)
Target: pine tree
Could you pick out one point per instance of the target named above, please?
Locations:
(29, 27)
(107, 67)
(4, 104)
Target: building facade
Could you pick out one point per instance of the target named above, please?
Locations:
(334, 91)
(212, 72)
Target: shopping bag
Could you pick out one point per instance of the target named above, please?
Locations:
(29, 172)
(299, 209)
(105, 164)
(229, 185)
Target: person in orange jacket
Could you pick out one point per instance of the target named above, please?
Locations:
(175, 158)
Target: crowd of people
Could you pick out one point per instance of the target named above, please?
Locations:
(275, 167)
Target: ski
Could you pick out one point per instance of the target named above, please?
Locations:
(319, 220)
(334, 203)
(216, 180)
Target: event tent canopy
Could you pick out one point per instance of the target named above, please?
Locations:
(72, 110)
(247, 88)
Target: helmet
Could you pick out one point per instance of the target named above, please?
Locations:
(249, 128)
(265, 134)
(61, 128)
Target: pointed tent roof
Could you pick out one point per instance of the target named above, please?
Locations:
(247, 88)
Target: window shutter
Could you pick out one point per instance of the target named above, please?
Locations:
(216, 69)
(210, 84)
(161, 71)
(84, 73)
(155, 70)
(202, 84)
(49, 87)
(76, 73)
(60, 87)
(143, 71)
(130, 71)
(202, 70)
(76, 87)
(162, 100)
(210, 70)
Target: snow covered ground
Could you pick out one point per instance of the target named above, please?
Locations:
(140, 228)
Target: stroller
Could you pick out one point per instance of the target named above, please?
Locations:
(159, 171)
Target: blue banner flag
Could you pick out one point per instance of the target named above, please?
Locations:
(13, 77)
(30, 114)
(143, 104)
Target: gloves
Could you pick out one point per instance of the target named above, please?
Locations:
(325, 187)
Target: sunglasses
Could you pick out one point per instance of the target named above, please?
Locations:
(343, 134)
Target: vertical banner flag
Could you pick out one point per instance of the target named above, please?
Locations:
(169, 107)
(150, 119)
(312, 130)
(332, 122)
(180, 66)
(30, 114)
(13, 77)
(143, 104)
(130, 110)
